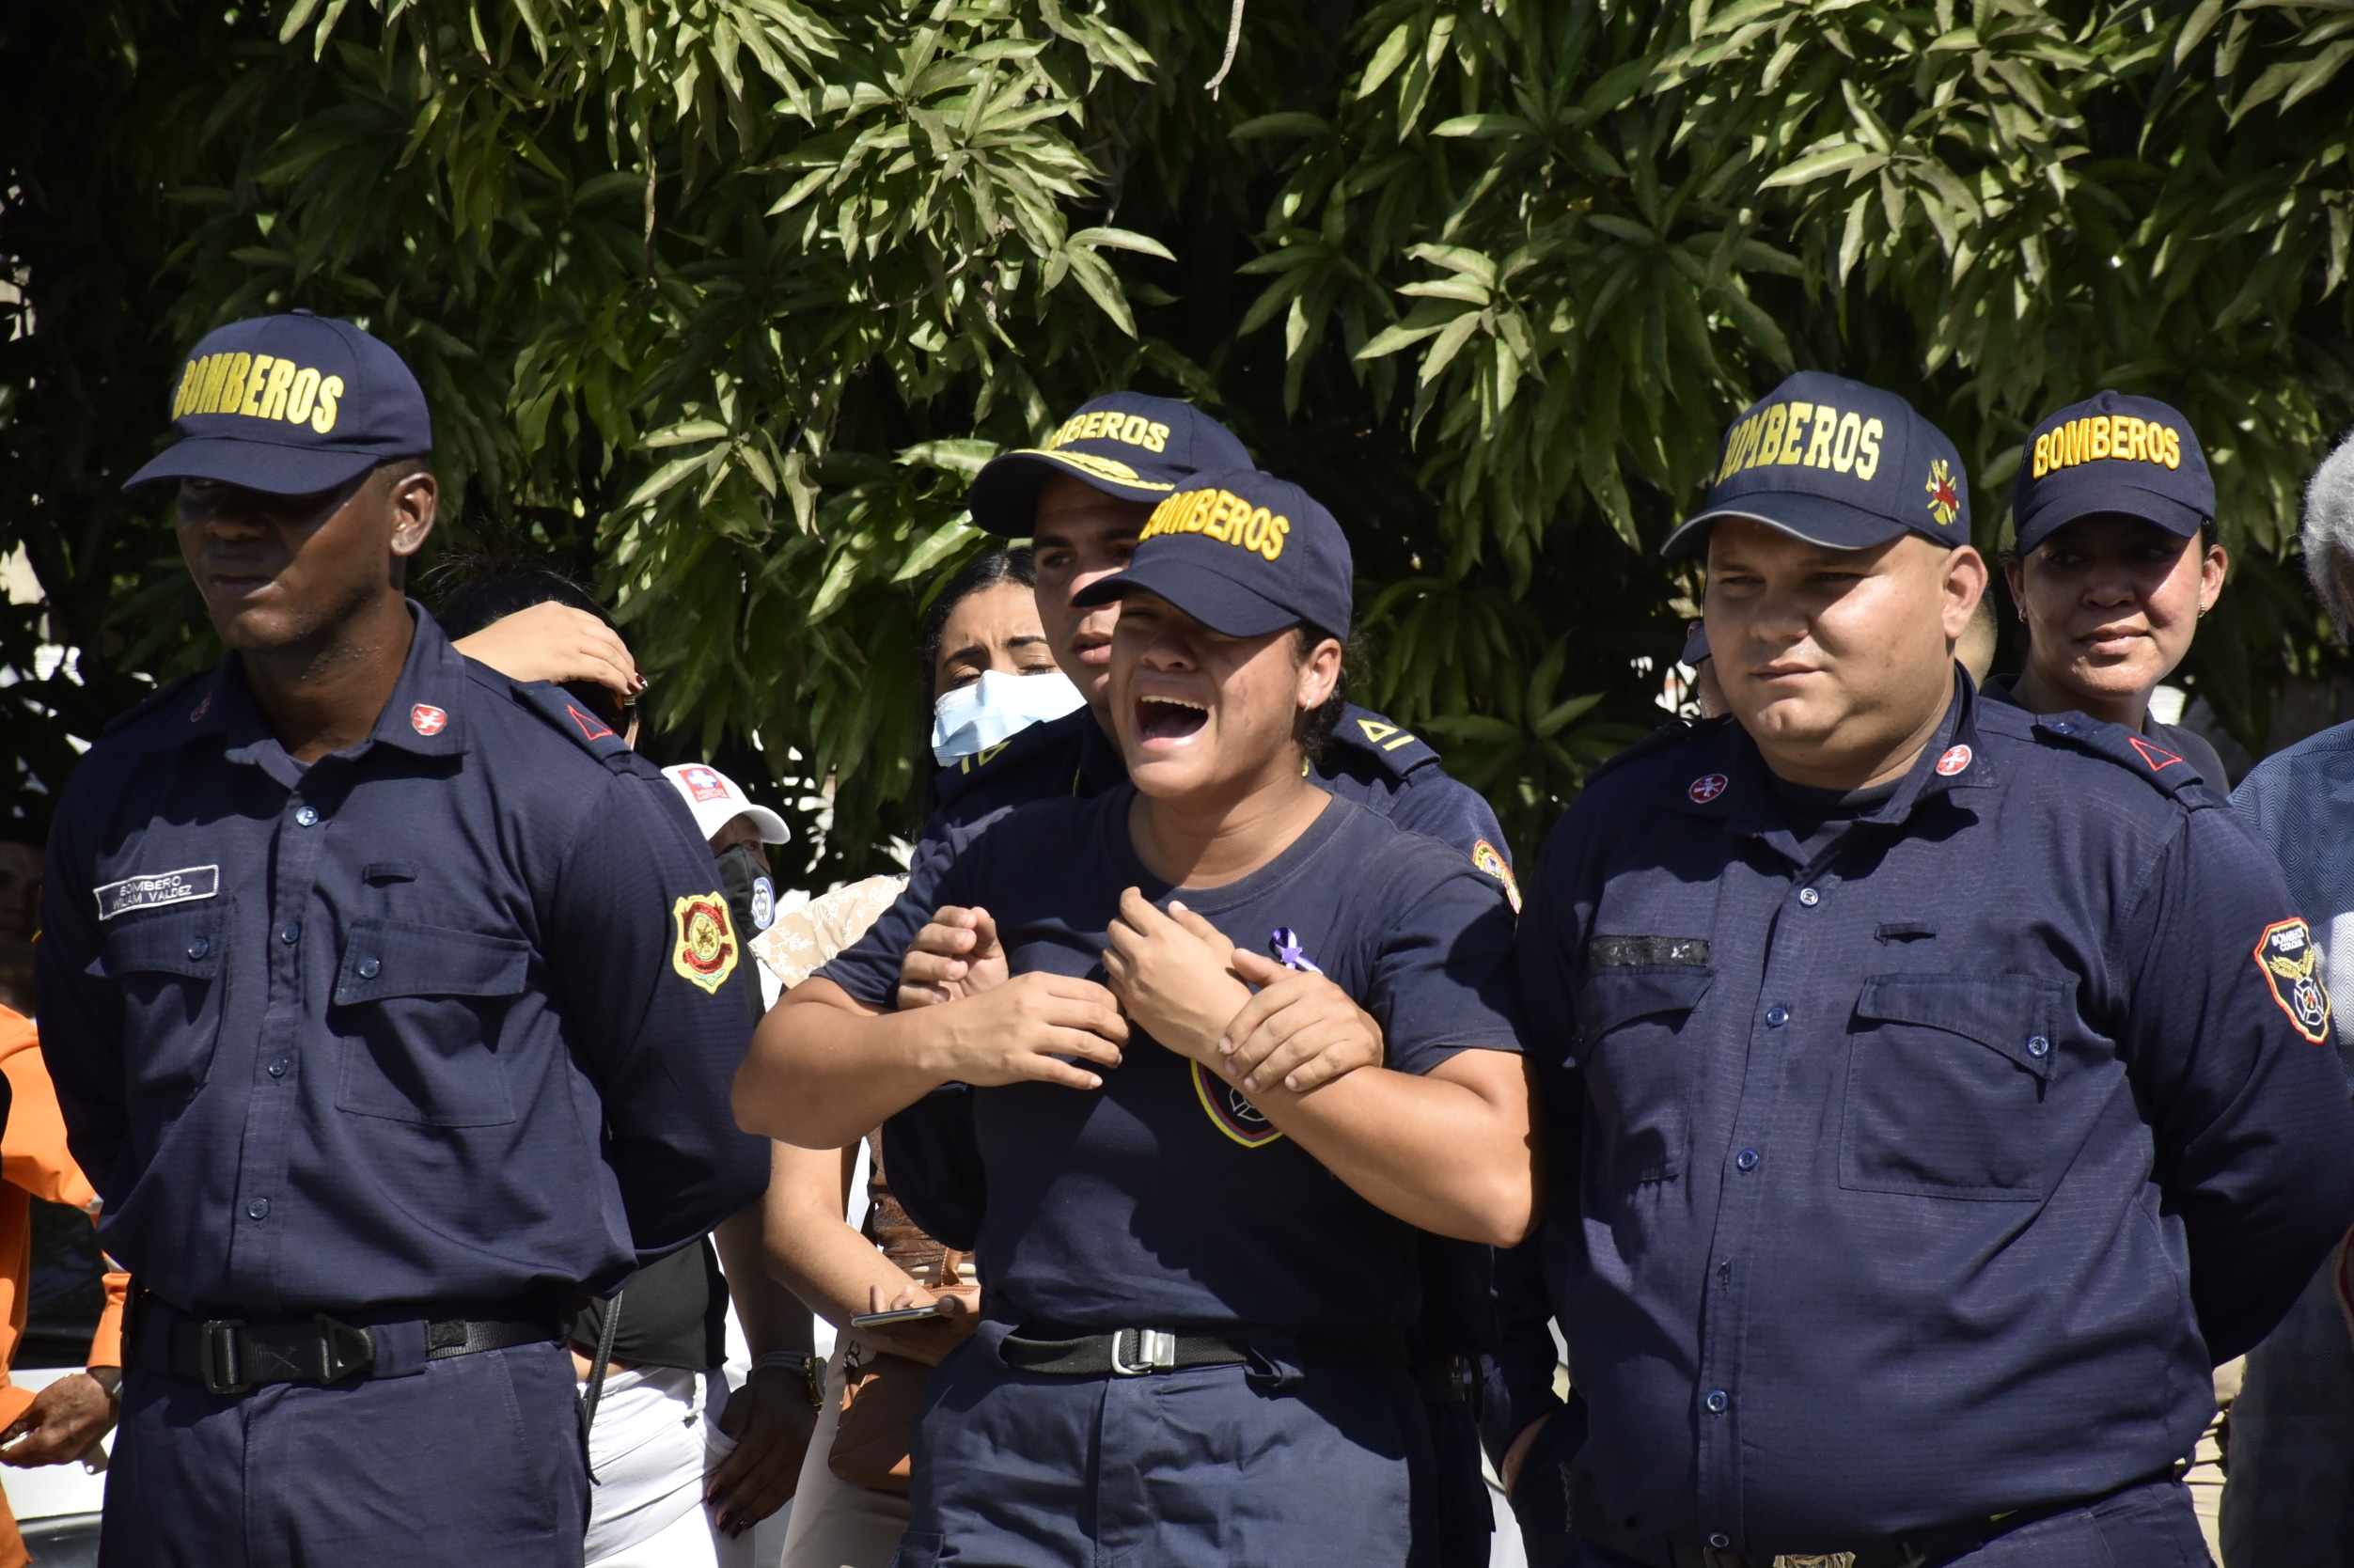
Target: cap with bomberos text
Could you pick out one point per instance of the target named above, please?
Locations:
(291, 404)
(2112, 453)
(1125, 444)
(1837, 464)
(1245, 554)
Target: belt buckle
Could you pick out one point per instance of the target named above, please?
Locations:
(1156, 1351)
(344, 1349)
(217, 1357)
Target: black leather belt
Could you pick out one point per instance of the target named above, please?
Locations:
(1925, 1548)
(229, 1355)
(1136, 1352)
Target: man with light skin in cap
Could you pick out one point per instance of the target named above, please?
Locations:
(1200, 1278)
(1082, 496)
(389, 1006)
(1934, 1087)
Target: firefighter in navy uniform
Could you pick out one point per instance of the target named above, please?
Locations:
(1081, 497)
(1938, 1090)
(390, 1004)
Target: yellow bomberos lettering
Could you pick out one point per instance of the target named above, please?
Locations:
(232, 385)
(1129, 430)
(1818, 446)
(255, 381)
(1793, 433)
(322, 417)
(215, 372)
(1734, 435)
(2118, 438)
(190, 375)
(1221, 515)
(301, 396)
(1156, 438)
(1868, 446)
(1770, 437)
(1844, 448)
(273, 394)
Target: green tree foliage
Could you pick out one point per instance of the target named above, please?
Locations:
(725, 300)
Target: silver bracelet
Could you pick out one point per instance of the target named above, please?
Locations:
(810, 1365)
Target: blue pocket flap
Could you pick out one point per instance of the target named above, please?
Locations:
(397, 958)
(2014, 1015)
(1616, 994)
(189, 942)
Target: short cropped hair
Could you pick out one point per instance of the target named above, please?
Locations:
(2328, 535)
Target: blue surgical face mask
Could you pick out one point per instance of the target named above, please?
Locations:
(972, 718)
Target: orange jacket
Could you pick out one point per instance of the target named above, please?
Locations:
(34, 1164)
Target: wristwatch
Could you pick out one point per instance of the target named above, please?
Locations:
(810, 1366)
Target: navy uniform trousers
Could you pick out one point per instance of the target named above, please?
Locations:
(474, 1460)
(1205, 1467)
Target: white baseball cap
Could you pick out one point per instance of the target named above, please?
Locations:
(716, 800)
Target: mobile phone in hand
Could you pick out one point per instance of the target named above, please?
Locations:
(897, 1314)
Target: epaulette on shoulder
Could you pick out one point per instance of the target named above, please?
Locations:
(1668, 736)
(995, 761)
(1392, 747)
(153, 700)
(563, 711)
(2155, 766)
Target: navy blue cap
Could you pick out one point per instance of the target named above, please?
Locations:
(1835, 463)
(1243, 553)
(1127, 445)
(2112, 453)
(291, 404)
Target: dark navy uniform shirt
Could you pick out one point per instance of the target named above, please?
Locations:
(450, 1016)
(2191, 749)
(1370, 761)
(1925, 1179)
(1162, 1198)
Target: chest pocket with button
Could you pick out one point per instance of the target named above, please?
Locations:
(418, 1010)
(171, 967)
(1956, 1088)
(1637, 1066)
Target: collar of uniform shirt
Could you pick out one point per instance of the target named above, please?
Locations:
(1744, 795)
(425, 713)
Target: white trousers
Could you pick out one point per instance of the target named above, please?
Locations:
(836, 1525)
(655, 1439)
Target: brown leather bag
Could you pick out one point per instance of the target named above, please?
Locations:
(880, 1393)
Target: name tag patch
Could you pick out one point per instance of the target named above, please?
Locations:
(184, 885)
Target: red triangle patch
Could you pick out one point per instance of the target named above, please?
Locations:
(591, 727)
(2158, 758)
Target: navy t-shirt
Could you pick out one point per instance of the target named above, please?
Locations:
(1162, 1198)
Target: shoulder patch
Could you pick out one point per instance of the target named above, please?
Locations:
(1489, 859)
(2291, 964)
(707, 947)
(2162, 768)
(167, 693)
(563, 709)
(1396, 750)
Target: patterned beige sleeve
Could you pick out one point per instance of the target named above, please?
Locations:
(804, 938)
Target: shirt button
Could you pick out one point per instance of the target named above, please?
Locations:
(1775, 1016)
(258, 1208)
(1808, 897)
(370, 968)
(308, 817)
(1721, 1541)
(2038, 1047)
(277, 1068)
(1746, 1159)
(291, 932)
(1717, 1401)
(198, 947)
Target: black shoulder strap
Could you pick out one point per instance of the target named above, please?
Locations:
(2154, 763)
(1671, 734)
(563, 711)
(1389, 745)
